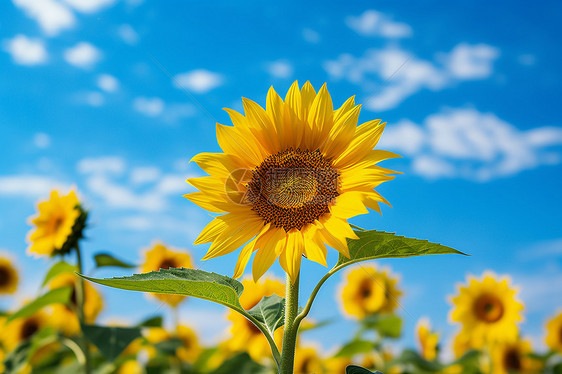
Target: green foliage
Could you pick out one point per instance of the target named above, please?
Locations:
(270, 311)
(169, 346)
(58, 268)
(155, 321)
(111, 341)
(240, 364)
(387, 325)
(106, 259)
(374, 244)
(16, 359)
(57, 296)
(354, 369)
(355, 347)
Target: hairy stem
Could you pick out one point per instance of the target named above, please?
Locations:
(291, 326)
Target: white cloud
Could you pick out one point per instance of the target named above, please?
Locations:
(107, 83)
(52, 16)
(89, 6)
(102, 165)
(542, 250)
(373, 23)
(466, 143)
(140, 175)
(398, 74)
(83, 55)
(41, 140)
(151, 107)
(199, 81)
(280, 69)
(128, 34)
(32, 186)
(175, 112)
(26, 51)
(527, 59)
(310, 36)
(95, 99)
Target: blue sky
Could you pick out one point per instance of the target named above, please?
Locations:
(89, 97)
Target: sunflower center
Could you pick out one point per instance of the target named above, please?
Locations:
(167, 263)
(488, 308)
(29, 328)
(512, 361)
(293, 188)
(4, 276)
(366, 290)
(57, 222)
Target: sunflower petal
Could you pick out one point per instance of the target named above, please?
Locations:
(246, 253)
(290, 258)
(268, 252)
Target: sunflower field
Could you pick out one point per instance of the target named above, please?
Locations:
(289, 178)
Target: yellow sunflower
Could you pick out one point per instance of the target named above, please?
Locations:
(130, 367)
(488, 310)
(308, 361)
(288, 179)
(514, 357)
(246, 337)
(428, 340)
(554, 333)
(190, 349)
(461, 344)
(8, 276)
(21, 329)
(64, 316)
(367, 290)
(160, 257)
(54, 224)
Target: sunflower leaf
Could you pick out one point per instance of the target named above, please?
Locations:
(355, 347)
(354, 369)
(111, 341)
(270, 311)
(189, 282)
(59, 268)
(106, 259)
(56, 296)
(387, 325)
(374, 244)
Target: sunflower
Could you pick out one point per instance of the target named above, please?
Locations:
(461, 344)
(428, 340)
(64, 316)
(368, 290)
(190, 349)
(288, 179)
(58, 225)
(514, 358)
(8, 276)
(130, 367)
(160, 257)
(487, 310)
(554, 333)
(246, 337)
(21, 329)
(307, 361)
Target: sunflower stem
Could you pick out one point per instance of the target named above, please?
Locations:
(80, 299)
(291, 326)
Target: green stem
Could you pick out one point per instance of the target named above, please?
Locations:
(80, 298)
(291, 326)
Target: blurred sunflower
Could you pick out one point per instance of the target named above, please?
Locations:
(428, 340)
(153, 336)
(461, 344)
(8, 276)
(307, 361)
(487, 310)
(130, 367)
(554, 333)
(514, 358)
(337, 365)
(21, 329)
(367, 290)
(2, 357)
(246, 337)
(288, 180)
(56, 222)
(190, 349)
(64, 316)
(160, 257)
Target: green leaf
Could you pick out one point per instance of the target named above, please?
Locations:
(412, 357)
(56, 296)
(189, 282)
(355, 347)
(387, 325)
(317, 325)
(106, 259)
(155, 321)
(16, 359)
(270, 311)
(169, 346)
(240, 364)
(111, 341)
(379, 244)
(58, 268)
(354, 369)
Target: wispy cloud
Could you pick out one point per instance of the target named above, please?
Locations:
(26, 51)
(310, 36)
(51, 15)
(41, 140)
(89, 6)
(280, 69)
(200, 81)
(404, 74)
(466, 143)
(151, 107)
(169, 112)
(107, 83)
(128, 34)
(374, 23)
(27, 185)
(83, 55)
